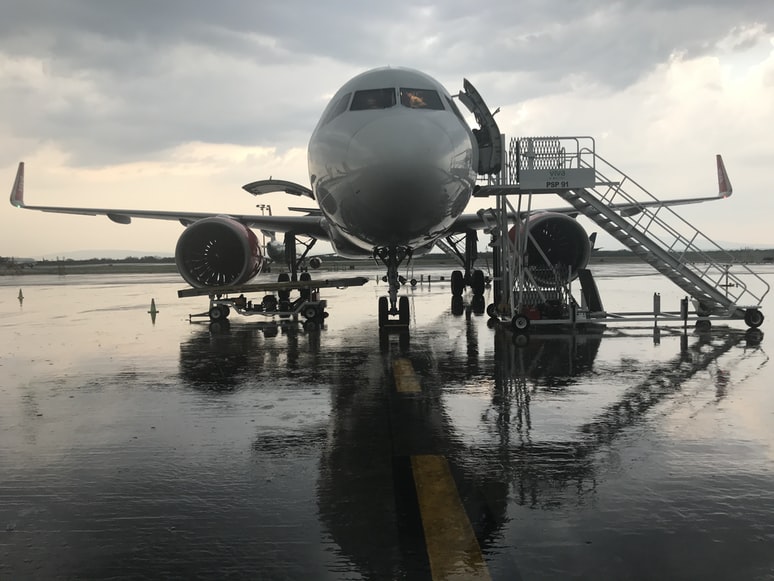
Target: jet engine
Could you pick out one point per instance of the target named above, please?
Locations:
(315, 262)
(276, 251)
(218, 251)
(561, 241)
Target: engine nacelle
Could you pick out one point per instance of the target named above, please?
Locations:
(218, 251)
(315, 262)
(562, 241)
(276, 251)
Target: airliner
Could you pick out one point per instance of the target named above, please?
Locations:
(393, 164)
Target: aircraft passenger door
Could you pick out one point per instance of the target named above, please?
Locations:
(490, 151)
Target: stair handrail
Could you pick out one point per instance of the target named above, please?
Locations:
(615, 189)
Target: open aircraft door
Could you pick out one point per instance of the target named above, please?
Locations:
(490, 149)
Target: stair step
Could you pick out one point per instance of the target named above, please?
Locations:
(596, 206)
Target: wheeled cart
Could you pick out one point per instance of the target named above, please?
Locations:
(307, 305)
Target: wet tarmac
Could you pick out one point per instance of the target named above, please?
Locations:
(139, 449)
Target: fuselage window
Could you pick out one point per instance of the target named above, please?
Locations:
(373, 99)
(420, 99)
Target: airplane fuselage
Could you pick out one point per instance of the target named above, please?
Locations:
(391, 162)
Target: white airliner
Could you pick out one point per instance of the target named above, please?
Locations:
(392, 166)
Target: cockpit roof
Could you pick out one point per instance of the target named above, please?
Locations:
(391, 77)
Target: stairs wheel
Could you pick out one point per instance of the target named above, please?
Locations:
(753, 318)
(520, 323)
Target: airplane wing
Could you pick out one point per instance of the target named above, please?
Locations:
(310, 224)
(468, 221)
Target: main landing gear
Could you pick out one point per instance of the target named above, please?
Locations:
(477, 286)
(393, 310)
(476, 280)
(473, 278)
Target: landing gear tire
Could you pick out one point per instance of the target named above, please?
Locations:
(477, 282)
(753, 318)
(520, 323)
(383, 312)
(284, 295)
(491, 310)
(403, 311)
(457, 283)
(306, 293)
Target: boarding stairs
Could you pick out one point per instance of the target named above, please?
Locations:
(660, 237)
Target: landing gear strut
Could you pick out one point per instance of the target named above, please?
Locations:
(393, 312)
(291, 255)
(471, 277)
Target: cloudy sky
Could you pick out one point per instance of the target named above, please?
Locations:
(177, 104)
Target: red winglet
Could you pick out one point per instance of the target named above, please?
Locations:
(724, 184)
(17, 193)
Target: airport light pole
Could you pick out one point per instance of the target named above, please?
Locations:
(265, 210)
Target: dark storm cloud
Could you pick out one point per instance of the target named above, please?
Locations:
(610, 44)
(122, 81)
(117, 81)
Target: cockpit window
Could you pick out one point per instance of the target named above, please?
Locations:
(337, 109)
(420, 99)
(373, 99)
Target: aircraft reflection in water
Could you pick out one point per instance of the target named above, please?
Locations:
(221, 358)
(363, 500)
(541, 469)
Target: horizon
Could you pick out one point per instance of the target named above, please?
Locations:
(120, 255)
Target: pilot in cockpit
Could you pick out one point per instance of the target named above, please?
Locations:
(412, 100)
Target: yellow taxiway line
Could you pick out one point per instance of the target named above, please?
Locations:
(406, 380)
(452, 547)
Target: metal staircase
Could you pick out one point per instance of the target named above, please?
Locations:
(720, 286)
(657, 234)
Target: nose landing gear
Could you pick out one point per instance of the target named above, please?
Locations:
(394, 311)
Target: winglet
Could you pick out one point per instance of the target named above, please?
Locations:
(17, 193)
(724, 184)
(593, 241)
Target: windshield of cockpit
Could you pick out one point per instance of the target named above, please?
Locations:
(385, 98)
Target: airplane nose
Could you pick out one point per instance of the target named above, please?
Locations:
(400, 182)
(411, 138)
